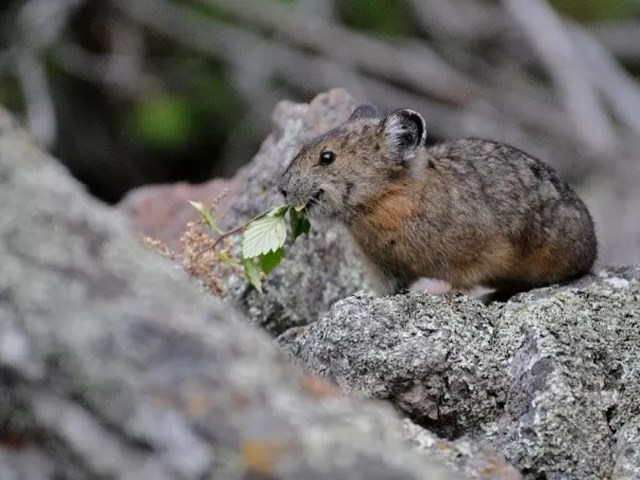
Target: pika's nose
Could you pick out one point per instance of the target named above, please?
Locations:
(282, 186)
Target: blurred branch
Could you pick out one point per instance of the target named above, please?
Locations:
(615, 84)
(35, 87)
(82, 63)
(553, 44)
(622, 39)
(6, 61)
(317, 8)
(470, 22)
(127, 57)
(41, 22)
(39, 25)
(411, 64)
(239, 49)
(305, 71)
(430, 75)
(516, 96)
(458, 19)
(391, 62)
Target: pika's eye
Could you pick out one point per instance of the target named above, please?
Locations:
(327, 157)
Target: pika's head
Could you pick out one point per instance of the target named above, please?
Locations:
(340, 173)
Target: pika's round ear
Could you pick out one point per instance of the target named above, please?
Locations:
(365, 111)
(406, 131)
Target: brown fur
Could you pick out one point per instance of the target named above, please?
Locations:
(390, 210)
(471, 212)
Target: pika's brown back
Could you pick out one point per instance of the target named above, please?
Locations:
(470, 212)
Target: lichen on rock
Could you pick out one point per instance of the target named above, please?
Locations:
(550, 379)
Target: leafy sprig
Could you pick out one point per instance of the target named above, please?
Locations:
(263, 239)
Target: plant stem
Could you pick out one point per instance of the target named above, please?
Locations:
(224, 235)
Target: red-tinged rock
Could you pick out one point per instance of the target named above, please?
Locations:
(162, 211)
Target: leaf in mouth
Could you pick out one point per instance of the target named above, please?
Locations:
(265, 235)
(269, 261)
(299, 223)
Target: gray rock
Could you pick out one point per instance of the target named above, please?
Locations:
(317, 271)
(551, 379)
(627, 459)
(527, 379)
(113, 365)
(462, 456)
(432, 356)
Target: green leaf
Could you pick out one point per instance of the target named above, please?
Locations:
(269, 261)
(263, 236)
(252, 273)
(206, 215)
(299, 224)
(278, 211)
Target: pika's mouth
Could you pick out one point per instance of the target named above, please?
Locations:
(315, 199)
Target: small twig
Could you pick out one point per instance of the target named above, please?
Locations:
(461, 20)
(621, 38)
(224, 235)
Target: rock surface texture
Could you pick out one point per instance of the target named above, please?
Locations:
(551, 378)
(113, 364)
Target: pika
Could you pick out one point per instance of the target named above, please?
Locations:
(470, 212)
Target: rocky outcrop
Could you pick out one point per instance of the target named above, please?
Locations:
(114, 365)
(551, 378)
(463, 456)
